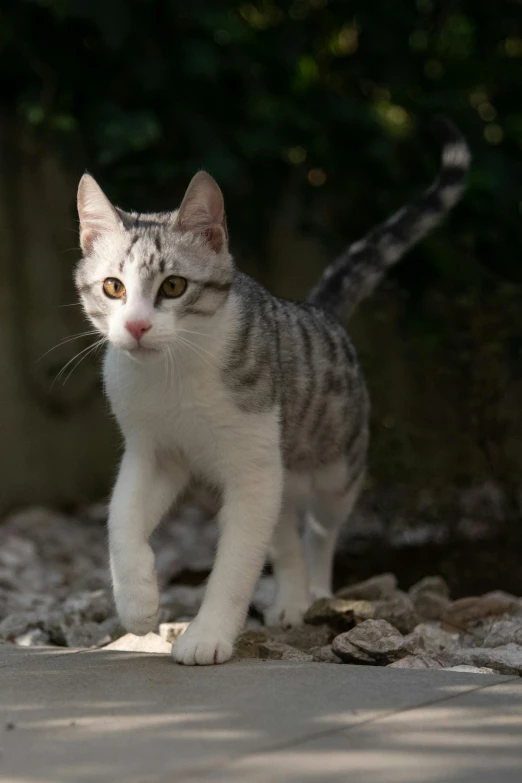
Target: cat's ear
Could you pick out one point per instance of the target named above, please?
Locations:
(202, 211)
(97, 215)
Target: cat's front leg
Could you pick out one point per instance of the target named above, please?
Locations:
(252, 502)
(142, 494)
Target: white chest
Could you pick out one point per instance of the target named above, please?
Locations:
(185, 412)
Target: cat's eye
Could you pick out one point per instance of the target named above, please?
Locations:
(173, 287)
(113, 288)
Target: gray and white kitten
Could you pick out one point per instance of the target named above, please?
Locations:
(212, 379)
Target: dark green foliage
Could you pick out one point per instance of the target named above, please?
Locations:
(154, 90)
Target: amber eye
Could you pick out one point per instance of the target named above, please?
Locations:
(113, 288)
(173, 287)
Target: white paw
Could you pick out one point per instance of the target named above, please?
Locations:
(138, 607)
(287, 614)
(202, 645)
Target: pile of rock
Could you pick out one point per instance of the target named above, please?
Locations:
(54, 576)
(375, 623)
(54, 590)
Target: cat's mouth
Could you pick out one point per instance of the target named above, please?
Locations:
(141, 350)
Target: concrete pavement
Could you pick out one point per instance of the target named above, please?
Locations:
(89, 716)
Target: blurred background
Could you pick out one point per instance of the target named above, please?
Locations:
(314, 116)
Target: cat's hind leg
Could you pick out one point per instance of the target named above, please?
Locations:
(292, 597)
(336, 489)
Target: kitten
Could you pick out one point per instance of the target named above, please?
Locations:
(213, 379)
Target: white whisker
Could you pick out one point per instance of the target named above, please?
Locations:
(187, 344)
(68, 340)
(81, 353)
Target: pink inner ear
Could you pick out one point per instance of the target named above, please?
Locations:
(86, 240)
(215, 236)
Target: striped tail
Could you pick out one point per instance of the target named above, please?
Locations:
(361, 267)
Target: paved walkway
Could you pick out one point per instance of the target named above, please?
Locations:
(84, 717)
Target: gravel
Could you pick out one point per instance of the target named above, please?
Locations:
(55, 590)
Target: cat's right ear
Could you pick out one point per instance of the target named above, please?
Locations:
(97, 215)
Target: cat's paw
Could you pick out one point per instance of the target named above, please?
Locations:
(286, 614)
(138, 608)
(202, 645)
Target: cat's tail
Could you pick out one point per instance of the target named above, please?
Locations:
(355, 274)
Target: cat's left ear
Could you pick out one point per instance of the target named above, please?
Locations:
(202, 211)
(97, 215)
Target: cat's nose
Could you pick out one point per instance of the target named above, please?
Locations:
(138, 328)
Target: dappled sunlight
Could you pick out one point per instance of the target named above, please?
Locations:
(440, 742)
(98, 715)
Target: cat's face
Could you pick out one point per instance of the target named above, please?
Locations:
(144, 280)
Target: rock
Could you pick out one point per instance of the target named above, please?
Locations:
(86, 635)
(170, 631)
(304, 637)
(381, 641)
(348, 652)
(180, 601)
(430, 606)
(33, 638)
(374, 641)
(377, 588)
(420, 661)
(399, 611)
(515, 606)
(54, 623)
(13, 601)
(324, 654)
(17, 624)
(430, 584)
(465, 613)
(504, 660)
(248, 643)
(504, 632)
(430, 597)
(469, 669)
(282, 652)
(338, 613)
(433, 639)
(16, 553)
(95, 605)
(150, 643)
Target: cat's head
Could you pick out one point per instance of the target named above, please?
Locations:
(145, 277)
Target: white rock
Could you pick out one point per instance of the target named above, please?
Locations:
(504, 660)
(504, 632)
(434, 639)
(419, 661)
(150, 643)
(33, 638)
(470, 669)
(378, 639)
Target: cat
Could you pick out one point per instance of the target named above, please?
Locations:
(213, 379)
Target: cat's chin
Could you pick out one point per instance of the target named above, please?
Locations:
(143, 354)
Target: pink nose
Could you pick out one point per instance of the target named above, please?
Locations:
(137, 328)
